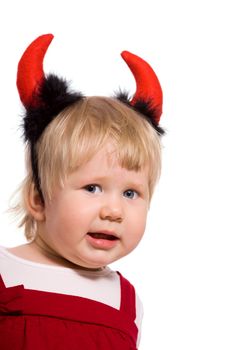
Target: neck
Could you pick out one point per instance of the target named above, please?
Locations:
(43, 253)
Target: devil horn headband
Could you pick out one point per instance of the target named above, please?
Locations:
(45, 96)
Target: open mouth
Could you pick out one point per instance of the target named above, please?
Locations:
(100, 235)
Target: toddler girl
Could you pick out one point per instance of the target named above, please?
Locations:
(92, 164)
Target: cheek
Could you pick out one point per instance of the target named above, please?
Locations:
(142, 213)
(70, 212)
(137, 223)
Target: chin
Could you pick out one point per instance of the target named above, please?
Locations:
(98, 264)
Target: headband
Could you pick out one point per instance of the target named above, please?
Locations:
(45, 96)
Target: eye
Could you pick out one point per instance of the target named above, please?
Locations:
(131, 194)
(93, 188)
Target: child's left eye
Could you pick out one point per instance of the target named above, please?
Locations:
(131, 194)
(93, 188)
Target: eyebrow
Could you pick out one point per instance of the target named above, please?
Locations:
(130, 183)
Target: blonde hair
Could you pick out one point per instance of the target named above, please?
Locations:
(74, 137)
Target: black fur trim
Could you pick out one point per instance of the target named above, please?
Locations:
(52, 97)
(144, 108)
(34, 164)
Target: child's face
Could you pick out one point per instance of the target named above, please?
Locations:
(99, 215)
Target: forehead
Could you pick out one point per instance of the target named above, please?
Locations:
(105, 163)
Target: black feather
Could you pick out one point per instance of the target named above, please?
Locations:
(52, 97)
(144, 107)
(123, 96)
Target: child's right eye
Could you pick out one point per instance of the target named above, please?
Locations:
(93, 188)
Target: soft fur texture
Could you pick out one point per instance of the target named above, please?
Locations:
(53, 96)
(143, 107)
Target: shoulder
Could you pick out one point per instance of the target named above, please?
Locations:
(4, 255)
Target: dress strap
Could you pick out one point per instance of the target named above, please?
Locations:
(2, 285)
(128, 299)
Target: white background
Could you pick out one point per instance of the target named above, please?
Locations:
(182, 269)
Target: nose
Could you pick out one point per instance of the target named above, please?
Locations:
(112, 211)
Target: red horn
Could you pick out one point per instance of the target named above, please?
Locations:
(148, 86)
(30, 69)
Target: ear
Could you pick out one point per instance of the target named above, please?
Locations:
(35, 205)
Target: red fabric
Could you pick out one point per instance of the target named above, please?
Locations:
(30, 69)
(148, 85)
(37, 320)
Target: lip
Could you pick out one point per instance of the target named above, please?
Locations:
(102, 243)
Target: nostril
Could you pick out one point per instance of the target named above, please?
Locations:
(111, 214)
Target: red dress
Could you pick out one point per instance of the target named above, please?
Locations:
(38, 320)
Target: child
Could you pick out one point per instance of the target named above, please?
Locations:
(92, 164)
